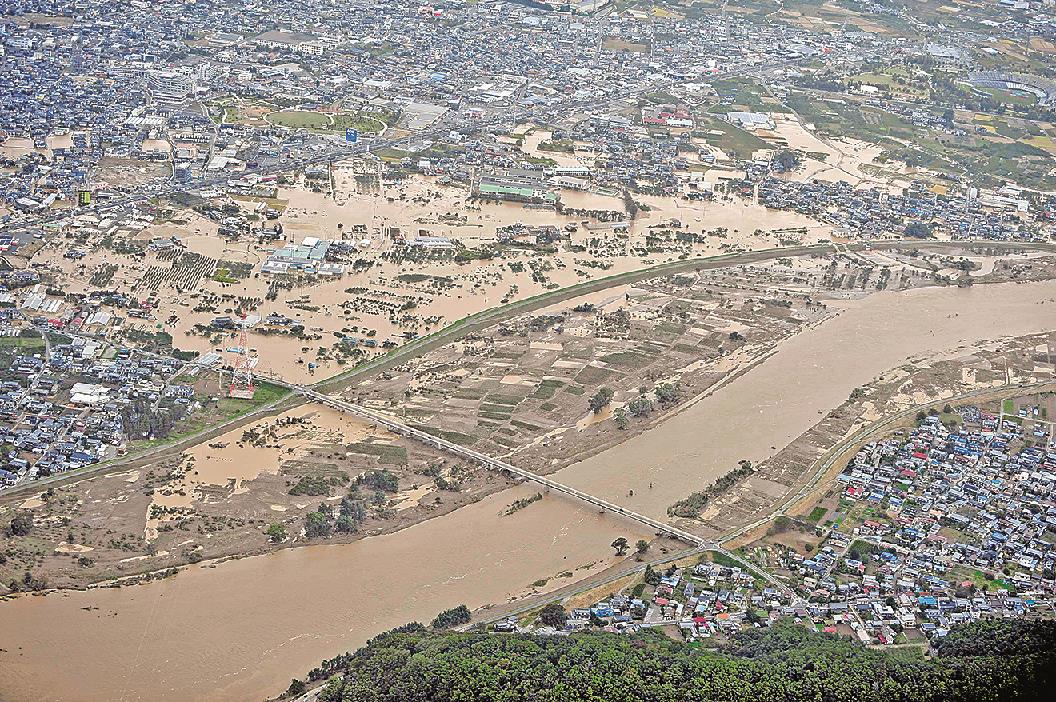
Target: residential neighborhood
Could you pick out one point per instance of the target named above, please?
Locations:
(938, 525)
(527, 350)
(67, 402)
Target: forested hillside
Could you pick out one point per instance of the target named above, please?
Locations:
(999, 661)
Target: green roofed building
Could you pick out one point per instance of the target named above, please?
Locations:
(520, 189)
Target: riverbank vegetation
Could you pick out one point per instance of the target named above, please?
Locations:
(691, 506)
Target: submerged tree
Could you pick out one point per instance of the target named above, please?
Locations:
(599, 399)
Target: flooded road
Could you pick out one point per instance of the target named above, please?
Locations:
(241, 630)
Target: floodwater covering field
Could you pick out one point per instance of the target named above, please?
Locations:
(242, 629)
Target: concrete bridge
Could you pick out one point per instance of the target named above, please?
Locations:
(500, 466)
(659, 527)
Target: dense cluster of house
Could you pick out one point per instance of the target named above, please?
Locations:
(936, 525)
(127, 84)
(961, 525)
(124, 82)
(68, 402)
(707, 600)
(91, 81)
(1007, 214)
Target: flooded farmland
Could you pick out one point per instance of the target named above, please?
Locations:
(814, 371)
(241, 630)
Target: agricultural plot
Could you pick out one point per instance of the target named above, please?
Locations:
(521, 387)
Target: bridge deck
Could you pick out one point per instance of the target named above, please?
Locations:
(502, 466)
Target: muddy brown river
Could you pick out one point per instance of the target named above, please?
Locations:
(810, 374)
(242, 629)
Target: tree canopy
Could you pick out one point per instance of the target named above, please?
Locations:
(21, 524)
(785, 662)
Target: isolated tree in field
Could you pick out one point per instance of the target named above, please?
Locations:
(317, 524)
(781, 524)
(620, 417)
(599, 399)
(668, 392)
(620, 544)
(276, 532)
(640, 406)
(380, 480)
(641, 547)
(352, 512)
(553, 615)
(21, 524)
(346, 525)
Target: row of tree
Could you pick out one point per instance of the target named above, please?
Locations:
(691, 506)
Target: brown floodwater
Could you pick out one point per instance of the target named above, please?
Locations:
(242, 629)
(811, 373)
